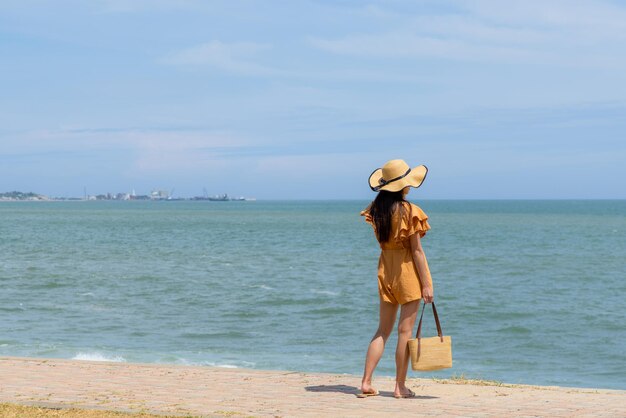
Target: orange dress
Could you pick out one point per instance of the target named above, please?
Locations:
(398, 280)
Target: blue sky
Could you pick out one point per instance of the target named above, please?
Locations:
(304, 99)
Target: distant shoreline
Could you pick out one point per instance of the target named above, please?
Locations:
(124, 200)
(363, 199)
(155, 195)
(321, 200)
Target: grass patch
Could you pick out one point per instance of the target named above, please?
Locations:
(9, 410)
(464, 380)
(231, 414)
(461, 379)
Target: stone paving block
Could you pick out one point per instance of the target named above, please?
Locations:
(211, 391)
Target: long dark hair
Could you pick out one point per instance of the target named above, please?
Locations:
(382, 209)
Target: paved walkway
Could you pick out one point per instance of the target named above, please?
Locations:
(210, 391)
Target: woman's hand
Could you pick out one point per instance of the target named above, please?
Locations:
(427, 294)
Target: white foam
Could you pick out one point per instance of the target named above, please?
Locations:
(96, 356)
(225, 366)
(246, 364)
(325, 292)
(184, 361)
(262, 286)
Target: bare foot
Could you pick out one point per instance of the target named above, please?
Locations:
(403, 392)
(368, 389)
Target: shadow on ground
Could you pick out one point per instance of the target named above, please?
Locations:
(353, 390)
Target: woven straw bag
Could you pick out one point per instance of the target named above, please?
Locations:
(433, 353)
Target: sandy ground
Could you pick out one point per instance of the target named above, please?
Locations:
(210, 391)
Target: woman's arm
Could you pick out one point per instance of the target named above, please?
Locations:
(419, 258)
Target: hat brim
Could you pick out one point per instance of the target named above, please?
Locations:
(414, 179)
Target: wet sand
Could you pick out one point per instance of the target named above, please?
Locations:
(212, 391)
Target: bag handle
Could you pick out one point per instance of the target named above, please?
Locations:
(419, 327)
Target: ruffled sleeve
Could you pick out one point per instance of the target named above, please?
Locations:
(414, 221)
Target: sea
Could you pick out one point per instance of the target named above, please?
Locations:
(531, 291)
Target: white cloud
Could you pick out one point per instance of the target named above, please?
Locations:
(574, 34)
(604, 17)
(407, 45)
(149, 151)
(472, 28)
(239, 58)
(171, 151)
(130, 6)
(234, 57)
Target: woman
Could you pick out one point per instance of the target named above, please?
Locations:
(403, 274)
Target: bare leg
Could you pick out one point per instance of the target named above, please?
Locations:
(388, 312)
(408, 313)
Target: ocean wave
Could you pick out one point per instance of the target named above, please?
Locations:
(246, 364)
(216, 335)
(262, 286)
(515, 329)
(325, 292)
(225, 365)
(97, 356)
(12, 309)
(330, 310)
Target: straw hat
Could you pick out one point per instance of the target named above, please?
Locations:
(395, 175)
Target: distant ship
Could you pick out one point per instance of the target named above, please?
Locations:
(219, 198)
(225, 198)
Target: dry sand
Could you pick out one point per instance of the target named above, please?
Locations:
(210, 391)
